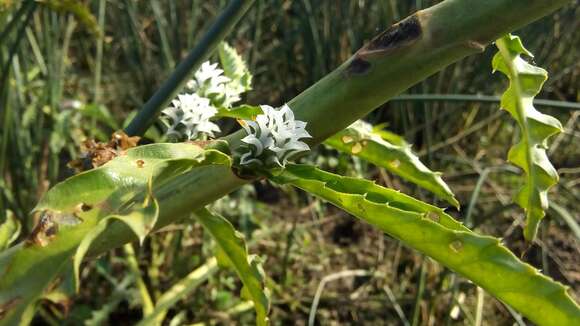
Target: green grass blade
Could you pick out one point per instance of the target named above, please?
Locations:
(133, 264)
(536, 128)
(482, 259)
(162, 29)
(180, 290)
(568, 218)
(393, 154)
(235, 253)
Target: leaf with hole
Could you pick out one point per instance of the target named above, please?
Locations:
(75, 212)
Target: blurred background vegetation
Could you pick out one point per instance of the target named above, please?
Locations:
(73, 70)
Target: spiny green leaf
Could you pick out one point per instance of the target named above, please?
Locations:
(234, 67)
(234, 250)
(78, 209)
(536, 128)
(392, 153)
(9, 230)
(482, 259)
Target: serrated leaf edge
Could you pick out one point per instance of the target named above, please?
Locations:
(490, 248)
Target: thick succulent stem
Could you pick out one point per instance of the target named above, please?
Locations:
(403, 55)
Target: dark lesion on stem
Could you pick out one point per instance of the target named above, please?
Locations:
(399, 35)
(358, 66)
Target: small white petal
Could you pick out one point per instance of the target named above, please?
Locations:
(279, 132)
(252, 140)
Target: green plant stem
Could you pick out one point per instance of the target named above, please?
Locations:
(449, 31)
(479, 308)
(162, 28)
(420, 291)
(146, 302)
(444, 33)
(339, 99)
(183, 72)
(99, 55)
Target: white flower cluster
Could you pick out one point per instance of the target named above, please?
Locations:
(190, 116)
(191, 112)
(273, 137)
(209, 82)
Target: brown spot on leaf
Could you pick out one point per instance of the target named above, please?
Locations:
(51, 231)
(140, 163)
(433, 216)
(398, 35)
(456, 245)
(96, 154)
(358, 66)
(356, 148)
(347, 139)
(44, 231)
(85, 207)
(6, 306)
(477, 46)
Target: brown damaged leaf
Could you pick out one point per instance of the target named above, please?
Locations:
(96, 154)
(44, 231)
(48, 225)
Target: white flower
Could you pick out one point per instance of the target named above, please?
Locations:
(209, 81)
(190, 116)
(273, 137)
(231, 95)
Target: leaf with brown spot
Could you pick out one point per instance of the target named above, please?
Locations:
(76, 206)
(482, 259)
(391, 152)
